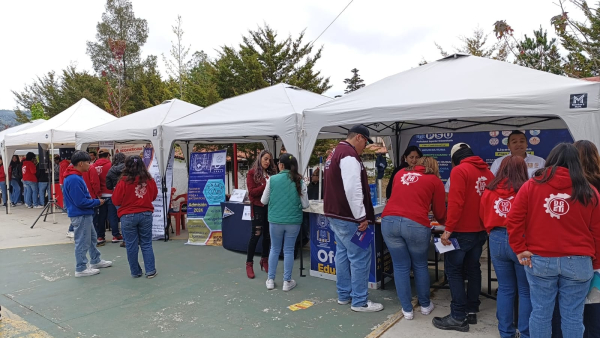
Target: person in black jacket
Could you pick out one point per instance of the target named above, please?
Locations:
(114, 175)
(15, 173)
(41, 174)
(409, 158)
(313, 186)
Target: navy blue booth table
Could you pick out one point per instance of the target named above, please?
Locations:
(235, 231)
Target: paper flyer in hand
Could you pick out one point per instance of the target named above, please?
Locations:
(363, 238)
(441, 248)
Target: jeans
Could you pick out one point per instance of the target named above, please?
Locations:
(137, 230)
(569, 277)
(85, 241)
(107, 211)
(43, 188)
(4, 192)
(408, 243)
(511, 279)
(16, 191)
(260, 227)
(31, 193)
(465, 259)
(591, 313)
(352, 263)
(282, 235)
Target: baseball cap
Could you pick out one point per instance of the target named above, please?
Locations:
(103, 151)
(456, 147)
(362, 130)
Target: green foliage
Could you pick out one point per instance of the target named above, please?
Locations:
(353, 83)
(539, 52)
(477, 45)
(37, 112)
(148, 89)
(120, 24)
(177, 66)
(322, 149)
(201, 88)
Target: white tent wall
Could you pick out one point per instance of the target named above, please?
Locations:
(460, 94)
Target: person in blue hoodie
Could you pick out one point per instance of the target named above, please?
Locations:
(80, 209)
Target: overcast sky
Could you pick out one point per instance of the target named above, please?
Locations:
(378, 37)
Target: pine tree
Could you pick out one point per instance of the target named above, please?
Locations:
(177, 66)
(477, 45)
(539, 52)
(353, 83)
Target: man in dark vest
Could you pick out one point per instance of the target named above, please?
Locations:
(348, 207)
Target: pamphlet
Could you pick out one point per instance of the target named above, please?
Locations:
(246, 215)
(441, 248)
(363, 238)
(238, 195)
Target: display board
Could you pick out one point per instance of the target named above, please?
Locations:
(206, 191)
(489, 145)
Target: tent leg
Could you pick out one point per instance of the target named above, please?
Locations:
(397, 157)
(235, 166)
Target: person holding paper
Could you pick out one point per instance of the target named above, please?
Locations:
(256, 180)
(406, 229)
(554, 228)
(286, 195)
(469, 179)
(496, 204)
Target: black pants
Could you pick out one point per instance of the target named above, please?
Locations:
(260, 227)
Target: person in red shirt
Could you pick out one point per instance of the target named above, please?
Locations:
(469, 177)
(406, 229)
(495, 205)
(134, 195)
(256, 180)
(3, 184)
(554, 228)
(30, 181)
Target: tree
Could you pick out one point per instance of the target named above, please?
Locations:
(118, 24)
(37, 112)
(477, 45)
(539, 52)
(353, 83)
(114, 78)
(177, 67)
(148, 89)
(201, 88)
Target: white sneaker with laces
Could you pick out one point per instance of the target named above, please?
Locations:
(270, 284)
(344, 302)
(87, 272)
(101, 264)
(369, 307)
(70, 234)
(427, 310)
(288, 285)
(408, 315)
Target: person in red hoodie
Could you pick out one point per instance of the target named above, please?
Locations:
(406, 229)
(554, 228)
(495, 205)
(469, 177)
(30, 181)
(134, 195)
(256, 180)
(3, 184)
(107, 210)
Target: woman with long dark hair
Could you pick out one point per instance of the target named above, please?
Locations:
(15, 174)
(495, 205)
(286, 195)
(256, 180)
(133, 196)
(554, 227)
(408, 159)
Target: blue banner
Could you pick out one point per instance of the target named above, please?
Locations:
(206, 191)
(489, 145)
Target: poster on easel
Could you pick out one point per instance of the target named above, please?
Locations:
(206, 191)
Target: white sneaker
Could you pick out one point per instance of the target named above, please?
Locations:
(288, 285)
(270, 284)
(70, 234)
(408, 315)
(427, 310)
(369, 307)
(101, 264)
(38, 207)
(87, 272)
(30, 207)
(344, 302)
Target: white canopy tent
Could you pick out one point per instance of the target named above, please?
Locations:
(460, 93)
(260, 116)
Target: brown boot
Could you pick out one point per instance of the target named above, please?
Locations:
(250, 269)
(264, 264)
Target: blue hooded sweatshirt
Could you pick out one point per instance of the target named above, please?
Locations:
(77, 198)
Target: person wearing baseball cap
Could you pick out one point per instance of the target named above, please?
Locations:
(348, 208)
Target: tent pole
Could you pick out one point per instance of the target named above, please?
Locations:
(397, 157)
(235, 166)
(187, 157)
(4, 161)
(53, 189)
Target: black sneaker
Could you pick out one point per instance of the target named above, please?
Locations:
(472, 318)
(449, 323)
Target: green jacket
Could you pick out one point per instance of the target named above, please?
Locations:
(285, 206)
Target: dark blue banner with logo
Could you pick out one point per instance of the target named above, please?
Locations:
(489, 145)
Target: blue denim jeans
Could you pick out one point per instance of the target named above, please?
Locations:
(85, 241)
(352, 263)
(43, 188)
(511, 279)
(16, 191)
(31, 193)
(282, 235)
(137, 231)
(408, 243)
(107, 211)
(4, 192)
(569, 278)
(591, 314)
(465, 259)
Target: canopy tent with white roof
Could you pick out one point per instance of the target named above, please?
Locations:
(460, 93)
(258, 116)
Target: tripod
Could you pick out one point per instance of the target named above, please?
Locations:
(47, 210)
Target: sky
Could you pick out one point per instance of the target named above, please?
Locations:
(380, 38)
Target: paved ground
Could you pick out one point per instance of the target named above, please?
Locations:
(199, 292)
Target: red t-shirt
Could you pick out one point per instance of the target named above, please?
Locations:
(495, 205)
(29, 171)
(92, 181)
(414, 193)
(133, 198)
(102, 166)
